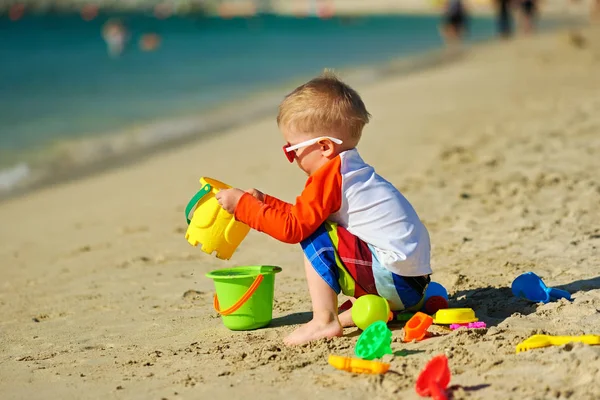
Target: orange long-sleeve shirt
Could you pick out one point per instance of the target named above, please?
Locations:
(292, 223)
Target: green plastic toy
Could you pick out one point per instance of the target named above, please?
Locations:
(374, 342)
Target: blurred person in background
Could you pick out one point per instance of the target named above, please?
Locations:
(529, 11)
(505, 19)
(454, 21)
(149, 42)
(595, 13)
(115, 35)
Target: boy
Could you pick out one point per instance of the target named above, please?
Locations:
(359, 234)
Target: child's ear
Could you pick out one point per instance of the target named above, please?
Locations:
(326, 148)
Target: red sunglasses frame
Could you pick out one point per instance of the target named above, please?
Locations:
(290, 155)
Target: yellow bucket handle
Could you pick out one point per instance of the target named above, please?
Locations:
(241, 301)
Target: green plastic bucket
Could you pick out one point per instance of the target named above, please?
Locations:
(244, 296)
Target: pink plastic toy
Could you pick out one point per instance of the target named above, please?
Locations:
(470, 325)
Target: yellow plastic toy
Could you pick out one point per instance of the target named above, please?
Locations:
(211, 226)
(450, 316)
(358, 366)
(538, 341)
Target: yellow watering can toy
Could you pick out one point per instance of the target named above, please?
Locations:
(210, 225)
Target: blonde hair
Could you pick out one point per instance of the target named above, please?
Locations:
(324, 105)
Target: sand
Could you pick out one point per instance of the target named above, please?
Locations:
(102, 297)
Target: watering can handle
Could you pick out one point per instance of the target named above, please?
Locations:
(194, 200)
(241, 301)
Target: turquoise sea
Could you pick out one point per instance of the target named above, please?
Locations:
(65, 103)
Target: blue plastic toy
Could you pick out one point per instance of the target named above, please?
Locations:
(435, 289)
(436, 298)
(531, 287)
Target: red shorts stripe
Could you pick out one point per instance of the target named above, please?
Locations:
(357, 257)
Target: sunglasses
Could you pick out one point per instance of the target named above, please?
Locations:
(289, 150)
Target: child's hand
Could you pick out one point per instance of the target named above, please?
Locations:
(229, 199)
(257, 194)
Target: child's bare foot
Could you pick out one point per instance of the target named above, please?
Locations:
(314, 330)
(346, 319)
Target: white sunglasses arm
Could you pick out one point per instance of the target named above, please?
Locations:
(312, 141)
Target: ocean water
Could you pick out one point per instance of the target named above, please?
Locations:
(64, 101)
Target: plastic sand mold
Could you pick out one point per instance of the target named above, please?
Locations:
(450, 316)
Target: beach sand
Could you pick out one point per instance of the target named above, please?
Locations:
(102, 297)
